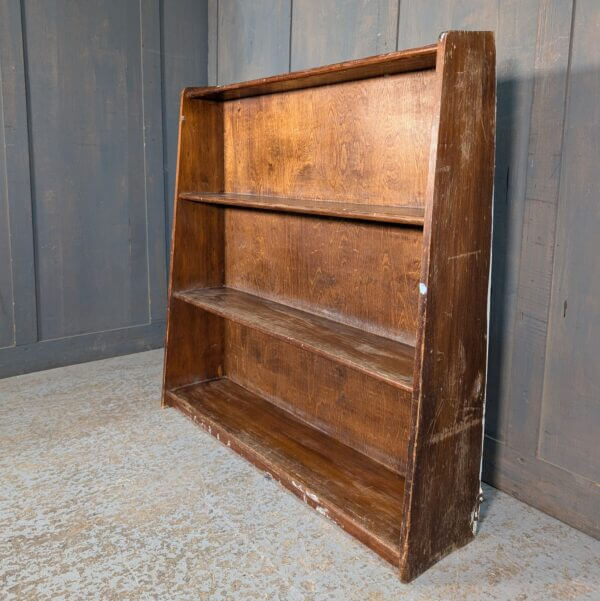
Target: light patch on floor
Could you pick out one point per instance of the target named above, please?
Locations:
(104, 495)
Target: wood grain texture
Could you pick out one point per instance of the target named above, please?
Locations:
(533, 40)
(341, 30)
(255, 39)
(571, 408)
(379, 357)
(516, 26)
(290, 259)
(357, 493)
(197, 232)
(301, 296)
(195, 346)
(450, 368)
(362, 412)
(281, 144)
(386, 214)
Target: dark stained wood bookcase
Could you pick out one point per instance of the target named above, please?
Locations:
(328, 299)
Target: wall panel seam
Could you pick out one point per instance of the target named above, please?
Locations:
(153, 142)
(18, 173)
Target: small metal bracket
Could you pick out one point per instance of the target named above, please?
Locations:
(475, 513)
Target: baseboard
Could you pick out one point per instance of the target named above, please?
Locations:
(47, 354)
(566, 496)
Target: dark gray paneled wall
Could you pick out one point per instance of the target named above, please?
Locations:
(543, 410)
(88, 134)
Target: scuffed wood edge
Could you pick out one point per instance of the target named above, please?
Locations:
(443, 476)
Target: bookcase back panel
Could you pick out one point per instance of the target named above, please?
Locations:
(366, 414)
(364, 141)
(362, 274)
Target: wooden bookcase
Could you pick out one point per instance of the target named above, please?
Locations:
(328, 293)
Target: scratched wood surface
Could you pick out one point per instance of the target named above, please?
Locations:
(533, 66)
(372, 335)
(348, 210)
(362, 412)
(449, 386)
(382, 358)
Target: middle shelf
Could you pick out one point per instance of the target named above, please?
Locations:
(383, 358)
(406, 215)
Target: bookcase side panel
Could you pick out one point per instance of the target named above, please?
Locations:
(443, 478)
(198, 234)
(197, 248)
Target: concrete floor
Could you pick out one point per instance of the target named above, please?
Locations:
(103, 495)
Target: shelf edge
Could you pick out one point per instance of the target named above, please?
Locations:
(184, 296)
(325, 209)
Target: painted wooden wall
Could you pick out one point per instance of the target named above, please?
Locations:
(543, 413)
(88, 133)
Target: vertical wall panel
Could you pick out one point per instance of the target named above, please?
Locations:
(18, 316)
(341, 30)
(7, 318)
(254, 39)
(213, 38)
(154, 177)
(88, 165)
(571, 407)
(539, 225)
(421, 21)
(183, 65)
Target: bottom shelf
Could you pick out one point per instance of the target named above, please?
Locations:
(362, 496)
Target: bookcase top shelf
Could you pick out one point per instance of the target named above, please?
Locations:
(374, 66)
(328, 208)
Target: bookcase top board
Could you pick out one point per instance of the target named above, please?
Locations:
(328, 286)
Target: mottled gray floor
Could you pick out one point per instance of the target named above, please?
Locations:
(106, 496)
